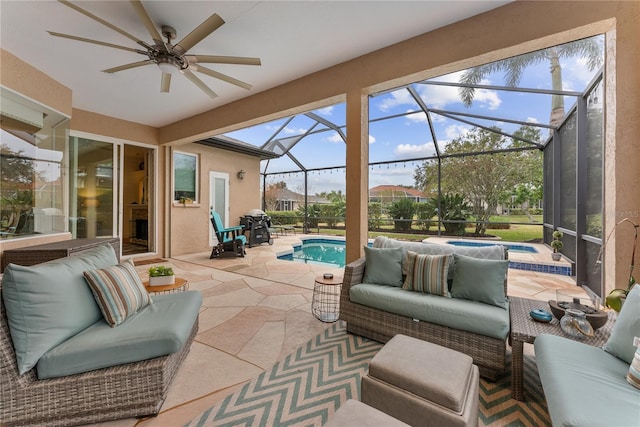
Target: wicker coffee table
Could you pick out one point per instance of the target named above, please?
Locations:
(525, 330)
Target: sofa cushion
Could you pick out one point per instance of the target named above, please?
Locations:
(584, 385)
(156, 330)
(383, 266)
(427, 273)
(50, 302)
(633, 376)
(496, 252)
(118, 291)
(627, 326)
(459, 314)
(480, 280)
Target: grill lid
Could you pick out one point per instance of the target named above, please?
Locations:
(256, 213)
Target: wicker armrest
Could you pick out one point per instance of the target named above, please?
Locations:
(353, 273)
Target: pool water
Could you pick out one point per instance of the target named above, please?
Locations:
(331, 253)
(318, 251)
(511, 246)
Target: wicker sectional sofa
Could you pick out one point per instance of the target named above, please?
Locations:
(488, 352)
(126, 370)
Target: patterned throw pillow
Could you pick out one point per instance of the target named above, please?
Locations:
(633, 377)
(427, 273)
(118, 291)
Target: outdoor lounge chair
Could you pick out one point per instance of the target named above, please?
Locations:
(230, 240)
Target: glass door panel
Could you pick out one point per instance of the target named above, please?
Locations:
(93, 188)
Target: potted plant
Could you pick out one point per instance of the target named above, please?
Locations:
(161, 276)
(556, 245)
(617, 297)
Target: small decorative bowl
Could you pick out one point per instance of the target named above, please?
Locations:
(597, 318)
(541, 315)
(327, 276)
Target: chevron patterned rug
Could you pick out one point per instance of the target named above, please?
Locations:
(309, 385)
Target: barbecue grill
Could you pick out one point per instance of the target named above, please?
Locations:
(257, 223)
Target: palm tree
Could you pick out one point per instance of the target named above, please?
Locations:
(589, 48)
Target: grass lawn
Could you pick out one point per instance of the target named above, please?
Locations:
(516, 232)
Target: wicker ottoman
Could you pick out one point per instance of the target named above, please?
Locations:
(421, 383)
(355, 413)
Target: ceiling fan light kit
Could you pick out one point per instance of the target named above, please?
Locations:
(171, 59)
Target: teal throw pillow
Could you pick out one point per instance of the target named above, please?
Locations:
(383, 266)
(118, 291)
(627, 326)
(480, 280)
(427, 273)
(49, 303)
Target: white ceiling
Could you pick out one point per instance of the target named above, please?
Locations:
(292, 38)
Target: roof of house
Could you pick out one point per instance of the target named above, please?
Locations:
(383, 190)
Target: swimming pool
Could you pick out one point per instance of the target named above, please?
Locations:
(511, 246)
(318, 251)
(331, 252)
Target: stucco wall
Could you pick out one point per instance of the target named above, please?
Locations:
(190, 223)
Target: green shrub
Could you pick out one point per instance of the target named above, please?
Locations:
(402, 211)
(425, 211)
(454, 208)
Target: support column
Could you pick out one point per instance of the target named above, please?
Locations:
(357, 173)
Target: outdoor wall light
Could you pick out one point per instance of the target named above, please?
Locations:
(241, 174)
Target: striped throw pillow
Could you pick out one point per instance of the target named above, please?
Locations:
(427, 273)
(118, 291)
(633, 376)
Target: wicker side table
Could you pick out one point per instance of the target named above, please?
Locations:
(525, 330)
(325, 303)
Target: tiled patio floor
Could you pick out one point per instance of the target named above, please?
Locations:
(256, 310)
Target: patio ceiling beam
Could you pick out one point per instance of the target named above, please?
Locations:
(424, 108)
(505, 88)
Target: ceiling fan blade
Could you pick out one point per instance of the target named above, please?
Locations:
(223, 77)
(128, 66)
(165, 82)
(98, 42)
(103, 22)
(200, 32)
(214, 59)
(146, 20)
(196, 81)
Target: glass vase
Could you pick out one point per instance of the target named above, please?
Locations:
(574, 323)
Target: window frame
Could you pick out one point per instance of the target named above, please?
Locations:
(196, 177)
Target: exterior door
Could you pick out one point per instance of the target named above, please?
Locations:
(218, 200)
(94, 188)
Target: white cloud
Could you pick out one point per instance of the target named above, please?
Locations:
(326, 111)
(372, 139)
(293, 131)
(454, 131)
(417, 117)
(532, 120)
(335, 137)
(487, 97)
(398, 97)
(414, 150)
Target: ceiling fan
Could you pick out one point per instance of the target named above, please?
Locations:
(170, 58)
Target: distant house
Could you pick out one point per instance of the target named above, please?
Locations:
(283, 199)
(389, 193)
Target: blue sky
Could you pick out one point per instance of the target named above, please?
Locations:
(408, 137)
